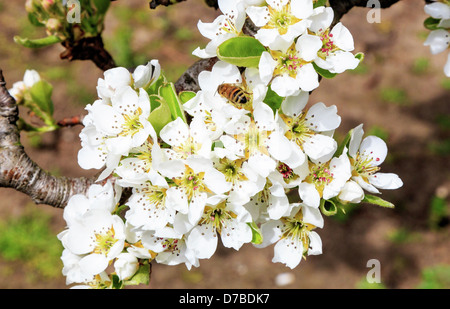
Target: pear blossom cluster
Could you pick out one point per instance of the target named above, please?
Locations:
(240, 171)
(298, 35)
(439, 38)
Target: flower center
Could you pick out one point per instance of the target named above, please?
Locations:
(216, 216)
(281, 19)
(228, 25)
(295, 229)
(144, 154)
(287, 172)
(188, 148)
(287, 63)
(327, 44)
(104, 241)
(155, 195)
(362, 166)
(232, 169)
(253, 140)
(298, 128)
(132, 124)
(319, 175)
(99, 283)
(171, 245)
(192, 182)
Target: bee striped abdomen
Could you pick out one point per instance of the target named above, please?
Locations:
(234, 94)
(239, 96)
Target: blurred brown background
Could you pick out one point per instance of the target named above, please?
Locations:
(400, 94)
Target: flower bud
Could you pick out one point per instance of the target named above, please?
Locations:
(126, 265)
(145, 75)
(17, 91)
(53, 26)
(47, 4)
(30, 78)
(29, 6)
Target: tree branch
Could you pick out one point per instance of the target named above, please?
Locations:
(189, 80)
(91, 48)
(19, 172)
(155, 3)
(342, 7)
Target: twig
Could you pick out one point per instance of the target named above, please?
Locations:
(71, 121)
(91, 48)
(155, 3)
(19, 172)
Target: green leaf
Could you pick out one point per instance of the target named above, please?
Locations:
(154, 88)
(102, 5)
(160, 114)
(116, 283)
(324, 73)
(375, 200)
(142, 276)
(186, 96)
(41, 94)
(328, 207)
(242, 51)
(431, 23)
(37, 43)
(169, 94)
(344, 143)
(34, 20)
(360, 57)
(256, 232)
(273, 99)
(39, 101)
(318, 3)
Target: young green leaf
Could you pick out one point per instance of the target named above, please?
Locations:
(186, 96)
(154, 88)
(273, 99)
(375, 200)
(41, 94)
(256, 232)
(116, 283)
(360, 57)
(160, 114)
(37, 43)
(102, 5)
(34, 20)
(142, 276)
(168, 93)
(344, 144)
(324, 73)
(328, 207)
(318, 3)
(242, 51)
(431, 23)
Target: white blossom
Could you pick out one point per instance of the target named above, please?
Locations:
(280, 21)
(293, 235)
(219, 218)
(366, 156)
(224, 27)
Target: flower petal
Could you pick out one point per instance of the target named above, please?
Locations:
(386, 181)
(374, 148)
(309, 195)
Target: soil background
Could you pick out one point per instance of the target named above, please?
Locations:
(400, 93)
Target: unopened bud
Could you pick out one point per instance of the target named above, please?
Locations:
(47, 4)
(53, 26)
(29, 6)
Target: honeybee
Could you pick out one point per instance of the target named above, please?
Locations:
(234, 94)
